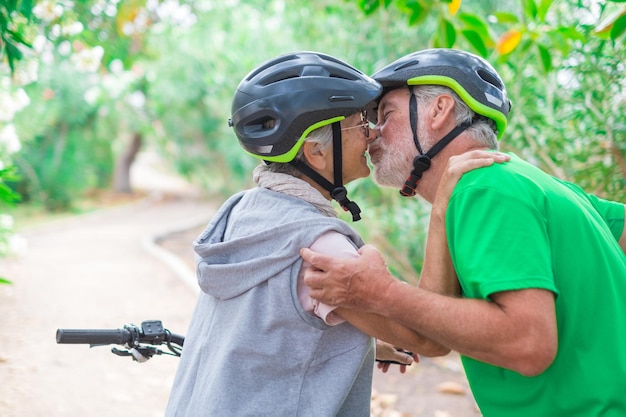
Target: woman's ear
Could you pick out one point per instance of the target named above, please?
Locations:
(442, 111)
(315, 156)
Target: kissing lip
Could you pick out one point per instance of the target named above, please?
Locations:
(373, 150)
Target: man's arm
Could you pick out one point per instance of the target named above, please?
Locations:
(514, 330)
(373, 324)
(391, 332)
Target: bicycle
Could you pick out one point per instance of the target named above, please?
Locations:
(139, 342)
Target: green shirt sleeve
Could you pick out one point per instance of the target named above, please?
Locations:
(611, 211)
(498, 241)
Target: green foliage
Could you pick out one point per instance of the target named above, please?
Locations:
(64, 154)
(563, 65)
(8, 195)
(568, 111)
(14, 29)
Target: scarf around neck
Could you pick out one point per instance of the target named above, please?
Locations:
(292, 186)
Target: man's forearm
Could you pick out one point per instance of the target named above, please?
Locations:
(392, 332)
(483, 330)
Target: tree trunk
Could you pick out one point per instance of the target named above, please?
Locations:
(121, 175)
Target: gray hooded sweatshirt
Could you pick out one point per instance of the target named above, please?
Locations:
(251, 350)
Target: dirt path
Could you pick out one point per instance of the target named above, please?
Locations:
(103, 270)
(93, 271)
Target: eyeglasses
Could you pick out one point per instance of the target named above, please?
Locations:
(365, 124)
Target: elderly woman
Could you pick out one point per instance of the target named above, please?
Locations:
(257, 343)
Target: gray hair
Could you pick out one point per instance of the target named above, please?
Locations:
(322, 136)
(483, 130)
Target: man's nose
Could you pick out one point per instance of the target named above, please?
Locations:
(374, 132)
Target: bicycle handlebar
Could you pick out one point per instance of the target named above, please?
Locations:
(151, 332)
(94, 336)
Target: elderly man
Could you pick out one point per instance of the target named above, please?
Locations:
(538, 312)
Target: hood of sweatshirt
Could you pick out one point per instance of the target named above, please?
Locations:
(256, 235)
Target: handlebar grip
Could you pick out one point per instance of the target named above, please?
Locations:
(177, 339)
(94, 336)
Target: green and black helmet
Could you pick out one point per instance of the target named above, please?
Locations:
(472, 78)
(280, 102)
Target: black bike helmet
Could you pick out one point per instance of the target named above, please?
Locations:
(280, 102)
(470, 76)
(475, 81)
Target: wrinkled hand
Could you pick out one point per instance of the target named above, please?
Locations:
(387, 353)
(356, 284)
(457, 166)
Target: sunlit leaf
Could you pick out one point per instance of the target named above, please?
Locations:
(508, 41)
(476, 41)
(13, 55)
(530, 9)
(475, 23)
(558, 42)
(415, 10)
(606, 24)
(416, 13)
(9, 174)
(19, 38)
(545, 57)
(618, 27)
(447, 33)
(7, 195)
(4, 281)
(542, 10)
(370, 6)
(504, 17)
(570, 33)
(603, 29)
(453, 6)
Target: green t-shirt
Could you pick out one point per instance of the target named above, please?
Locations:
(511, 226)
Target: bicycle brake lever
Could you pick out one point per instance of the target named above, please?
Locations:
(120, 352)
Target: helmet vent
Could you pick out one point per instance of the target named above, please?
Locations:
(344, 75)
(274, 78)
(260, 124)
(262, 68)
(489, 78)
(341, 98)
(410, 63)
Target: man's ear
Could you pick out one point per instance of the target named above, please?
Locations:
(315, 156)
(442, 111)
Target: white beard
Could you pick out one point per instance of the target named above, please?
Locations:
(396, 163)
(394, 166)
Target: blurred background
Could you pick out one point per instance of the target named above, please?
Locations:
(88, 85)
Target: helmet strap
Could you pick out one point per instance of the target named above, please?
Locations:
(413, 120)
(422, 162)
(337, 191)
